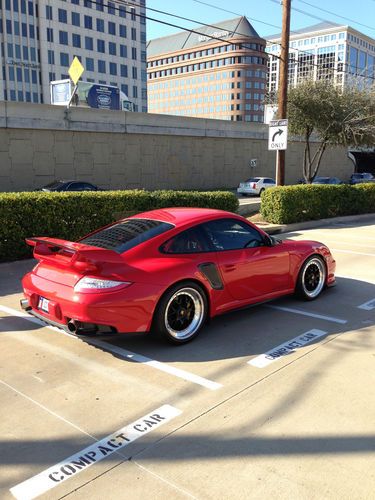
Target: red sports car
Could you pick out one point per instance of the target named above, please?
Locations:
(168, 270)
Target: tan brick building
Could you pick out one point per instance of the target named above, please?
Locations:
(216, 72)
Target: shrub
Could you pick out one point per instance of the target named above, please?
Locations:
(72, 215)
(288, 204)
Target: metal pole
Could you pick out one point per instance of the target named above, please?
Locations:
(283, 86)
(72, 96)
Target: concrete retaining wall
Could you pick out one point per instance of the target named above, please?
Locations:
(40, 143)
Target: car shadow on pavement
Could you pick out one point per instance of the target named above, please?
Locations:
(257, 329)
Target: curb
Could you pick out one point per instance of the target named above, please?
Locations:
(286, 228)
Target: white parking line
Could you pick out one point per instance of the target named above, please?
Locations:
(73, 465)
(123, 353)
(139, 358)
(368, 306)
(32, 319)
(286, 348)
(307, 313)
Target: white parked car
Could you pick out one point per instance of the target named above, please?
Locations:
(255, 185)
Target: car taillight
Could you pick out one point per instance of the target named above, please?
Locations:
(254, 185)
(94, 285)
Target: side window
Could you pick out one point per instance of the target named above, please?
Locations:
(75, 186)
(190, 241)
(88, 187)
(232, 234)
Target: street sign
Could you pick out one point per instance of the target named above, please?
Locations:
(253, 162)
(75, 71)
(278, 135)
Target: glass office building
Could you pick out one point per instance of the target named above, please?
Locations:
(324, 51)
(39, 39)
(214, 72)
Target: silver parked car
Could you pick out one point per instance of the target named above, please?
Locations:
(255, 185)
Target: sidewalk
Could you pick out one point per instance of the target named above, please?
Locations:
(287, 228)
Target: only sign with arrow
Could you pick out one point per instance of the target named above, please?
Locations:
(278, 134)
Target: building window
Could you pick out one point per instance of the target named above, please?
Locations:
(100, 46)
(122, 11)
(122, 31)
(134, 73)
(99, 5)
(88, 22)
(113, 68)
(76, 40)
(89, 43)
(111, 8)
(76, 21)
(134, 53)
(63, 16)
(101, 66)
(100, 25)
(134, 34)
(64, 59)
(125, 88)
(90, 64)
(63, 37)
(111, 28)
(135, 91)
(49, 35)
(51, 57)
(112, 48)
(123, 51)
(124, 70)
(49, 12)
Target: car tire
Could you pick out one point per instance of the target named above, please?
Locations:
(261, 191)
(312, 278)
(181, 313)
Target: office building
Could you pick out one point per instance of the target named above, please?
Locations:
(39, 39)
(214, 72)
(324, 51)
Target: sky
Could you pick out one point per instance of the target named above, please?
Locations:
(264, 15)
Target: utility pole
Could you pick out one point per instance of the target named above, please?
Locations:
(283, 86)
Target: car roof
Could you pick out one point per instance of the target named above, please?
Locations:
(181, 215)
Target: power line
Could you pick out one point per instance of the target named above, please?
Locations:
(337, 15)
(122, 3)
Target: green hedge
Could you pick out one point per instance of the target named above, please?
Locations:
(72, 215)
(288, 204)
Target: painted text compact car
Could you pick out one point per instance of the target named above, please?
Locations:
(168, 271)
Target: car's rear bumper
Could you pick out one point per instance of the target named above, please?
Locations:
(247, 191)
(127, 310)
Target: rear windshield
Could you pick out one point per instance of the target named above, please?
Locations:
(253, 179)
(126, 234)
(54, 185)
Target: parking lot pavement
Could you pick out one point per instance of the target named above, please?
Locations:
(275, 400)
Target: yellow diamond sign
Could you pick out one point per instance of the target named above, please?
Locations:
(75, 71)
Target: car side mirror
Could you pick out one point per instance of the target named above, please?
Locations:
(270, 241)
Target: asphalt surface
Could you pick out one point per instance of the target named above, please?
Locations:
(273, 401)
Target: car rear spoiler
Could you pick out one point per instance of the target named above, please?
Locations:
(69, 253)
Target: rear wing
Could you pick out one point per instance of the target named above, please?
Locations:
(72, 254)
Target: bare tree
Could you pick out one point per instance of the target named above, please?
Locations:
(333, 116)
